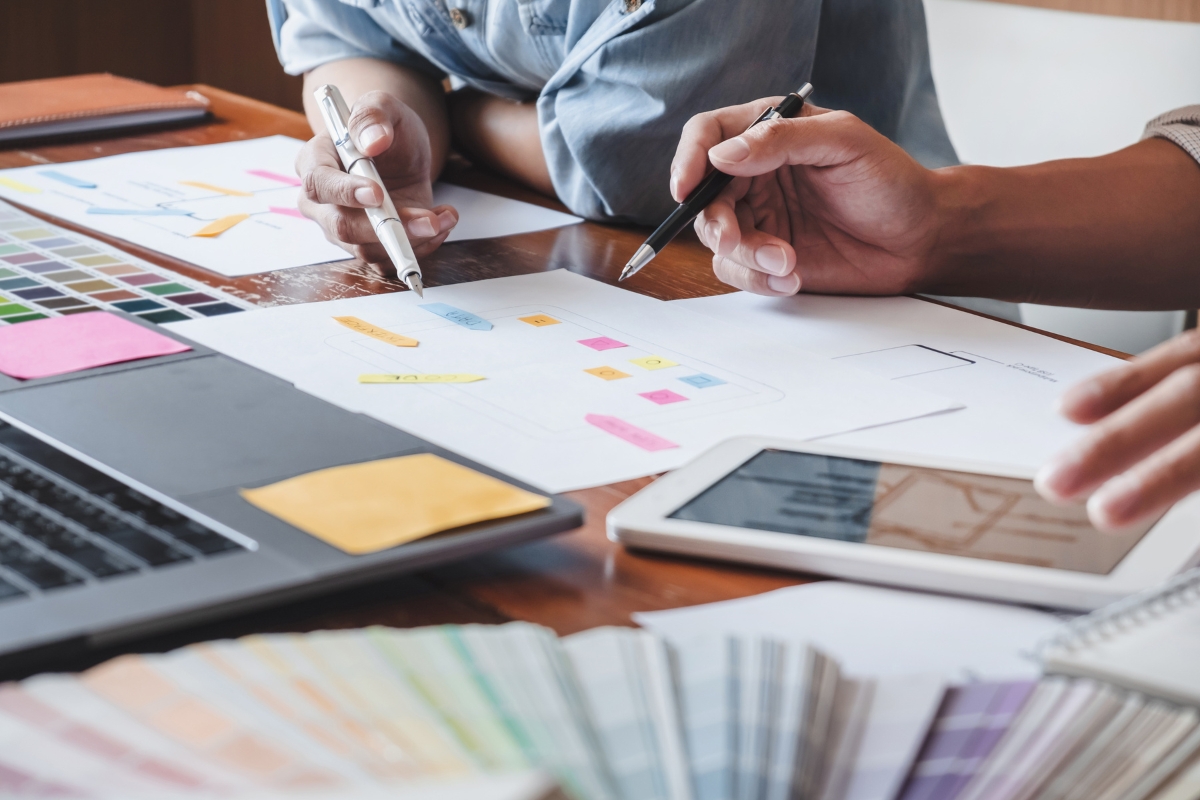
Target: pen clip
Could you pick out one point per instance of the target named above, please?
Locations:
(766, 115)
(334, 110)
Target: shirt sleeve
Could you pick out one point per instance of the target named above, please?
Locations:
(1181, 126)
(610, 120)
(309, 33)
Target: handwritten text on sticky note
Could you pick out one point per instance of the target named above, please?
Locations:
(375, 332)
(663, 397)
(539, 320)
(702, 381)
(364, 508)
(458, 316)
(449, 377)
(630, 433)
(607, 373)
(602, 343)
(653, 362)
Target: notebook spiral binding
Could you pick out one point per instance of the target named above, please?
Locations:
(1137, 609)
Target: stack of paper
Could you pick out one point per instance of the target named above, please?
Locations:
(503, 712)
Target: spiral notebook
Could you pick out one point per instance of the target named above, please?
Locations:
(1149, 642)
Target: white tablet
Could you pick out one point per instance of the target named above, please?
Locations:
(942, 525)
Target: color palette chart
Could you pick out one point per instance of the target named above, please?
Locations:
(46, 271)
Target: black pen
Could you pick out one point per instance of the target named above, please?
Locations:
(705, 193)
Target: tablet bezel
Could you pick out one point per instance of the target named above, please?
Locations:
(643, 521)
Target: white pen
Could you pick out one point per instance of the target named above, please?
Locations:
(384, 219)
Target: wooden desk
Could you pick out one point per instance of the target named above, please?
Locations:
(570, 582)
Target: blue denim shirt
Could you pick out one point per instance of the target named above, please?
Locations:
(614, 80)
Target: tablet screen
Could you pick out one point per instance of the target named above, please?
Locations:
(938, 511)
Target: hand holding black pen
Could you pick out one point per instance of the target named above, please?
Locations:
(706, 192)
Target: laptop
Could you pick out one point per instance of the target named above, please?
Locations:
(120, 512)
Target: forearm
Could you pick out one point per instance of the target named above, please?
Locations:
(501, 135)
(1117, 231)
(357, 76)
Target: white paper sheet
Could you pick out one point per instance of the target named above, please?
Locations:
(1008, 378)
(148, 187)
(486, 216)
(527, 418)
(874, 631)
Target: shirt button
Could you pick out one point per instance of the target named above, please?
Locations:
(460, 18)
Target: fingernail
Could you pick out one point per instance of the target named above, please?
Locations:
(421, 226)
(771, 258)
(784, 284)
(446, 221)
(732, 150)
(365, 195)
(1055, 480)
(712, 233)
(370, 135)
(1115, 503)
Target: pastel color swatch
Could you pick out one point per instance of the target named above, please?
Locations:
(636, 436)
(539, 320)
(61, 345)
(458, 316)
(702, 381)
(375, 332)
(451, 377)
(663, 397)
(602, 343)
(653, 362)
(607, 373)
(219, 226)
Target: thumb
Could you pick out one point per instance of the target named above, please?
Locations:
(821, 140)
(372, 122)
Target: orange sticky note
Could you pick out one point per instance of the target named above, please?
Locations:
(364, 508)
(375, 332)
(218, 189)
(219, 226)
(607, 373)
(539, 320)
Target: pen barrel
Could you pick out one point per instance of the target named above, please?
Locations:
(689, 209)
(386, 222)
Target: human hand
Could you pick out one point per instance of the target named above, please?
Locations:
(392, 134)
(1143, 451)
(821, 202)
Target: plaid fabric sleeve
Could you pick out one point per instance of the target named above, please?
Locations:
(1181, 126)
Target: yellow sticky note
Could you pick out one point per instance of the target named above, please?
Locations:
(218, 189)
(653, 362)
(607, 373)
(20, 187)
(450, 377)
(375, 332)
(364, 508)
(219, 226)
(539, 320)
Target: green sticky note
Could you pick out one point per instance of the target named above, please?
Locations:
(167, 288)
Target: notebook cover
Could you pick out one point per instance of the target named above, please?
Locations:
(99, 96)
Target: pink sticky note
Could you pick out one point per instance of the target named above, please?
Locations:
(274, 176)
(602, 343)
(291, 212)
(630, 433)
(663, 397)
(60, 345)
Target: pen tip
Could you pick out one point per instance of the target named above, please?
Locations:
(413, 281)
(641, 258)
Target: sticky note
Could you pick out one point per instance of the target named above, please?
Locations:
(602, 343)
(287, 212)
(607, 373)
(663, 397)
(290, 180)
(217, 227)
(364, 508)
(447, 377)
(653, 362)
(218, 189)
(67, 179)
(60, 345)
(20, 187)
(458, 316)
(630, 433)
(366, 328)
(702, 381)
(539, 320)
(140, 212)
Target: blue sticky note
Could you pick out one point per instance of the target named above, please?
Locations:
(458, 316)
(702, 381)
(67, 179)
(141, 212)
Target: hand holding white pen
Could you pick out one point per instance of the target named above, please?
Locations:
(341, 174)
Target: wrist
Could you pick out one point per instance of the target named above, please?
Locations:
(966, 236)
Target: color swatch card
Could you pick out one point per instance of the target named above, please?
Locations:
(47, 271)
(230, 208)
(572, 382)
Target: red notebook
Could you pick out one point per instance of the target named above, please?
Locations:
(90, 103)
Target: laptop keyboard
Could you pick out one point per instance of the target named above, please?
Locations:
(63, 523)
